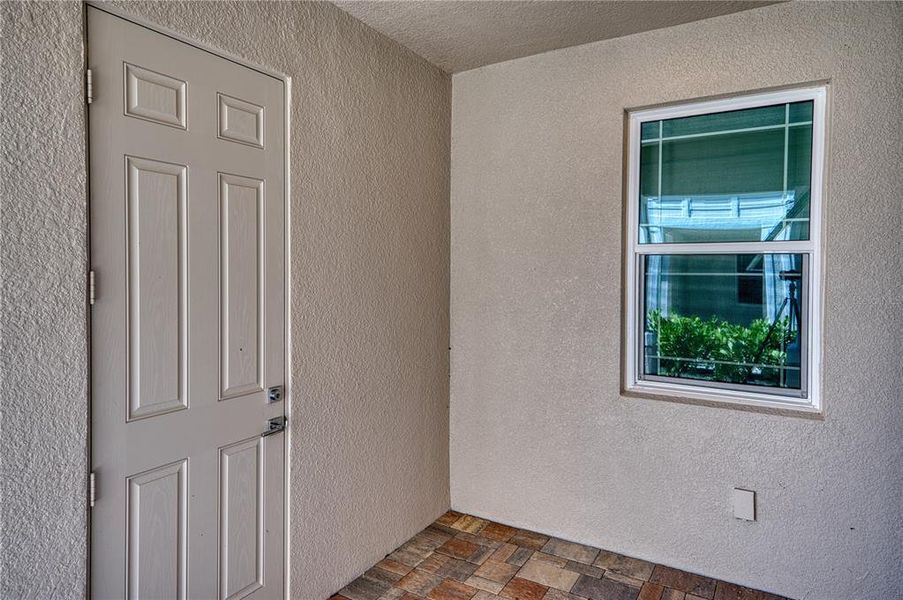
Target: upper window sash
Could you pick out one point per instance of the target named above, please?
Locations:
(740, 213)
(817, 93)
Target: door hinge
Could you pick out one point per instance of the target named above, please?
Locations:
(91, 288)
(89, 87)
(92, 490)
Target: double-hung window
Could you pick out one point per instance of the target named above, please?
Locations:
(723, 262)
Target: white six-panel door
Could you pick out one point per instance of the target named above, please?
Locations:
(187, 215)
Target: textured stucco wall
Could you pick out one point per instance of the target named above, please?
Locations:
(539, 435)
(43, 314)
(369, 267)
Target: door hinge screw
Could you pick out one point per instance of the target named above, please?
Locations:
(92, 490)
(89, 87)
(92, 288)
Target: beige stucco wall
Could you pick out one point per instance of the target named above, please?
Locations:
(539, 434)
(369, 266)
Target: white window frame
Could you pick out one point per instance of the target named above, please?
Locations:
(811, 289)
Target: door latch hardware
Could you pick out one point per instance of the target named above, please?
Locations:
(275, 425)
(274, 394)
(92, 490)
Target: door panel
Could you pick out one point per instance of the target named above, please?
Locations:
(241, 240)
(240, 121)
(156, 549)
(187, 216)
(156, 206)
(241, 530)
(154, 96)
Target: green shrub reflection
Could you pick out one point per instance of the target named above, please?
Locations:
(718, 350)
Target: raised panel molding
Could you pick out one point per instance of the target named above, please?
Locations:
(241, 206)
(156, 539)
(156, 213)
(240, 121)
(241, 501)
(155, 97)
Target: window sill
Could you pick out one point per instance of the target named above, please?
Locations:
(742, 402)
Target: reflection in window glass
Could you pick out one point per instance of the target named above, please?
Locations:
(750, 280)
(736, 176)
(724, 318)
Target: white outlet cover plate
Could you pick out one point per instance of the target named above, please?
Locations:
(745, 504)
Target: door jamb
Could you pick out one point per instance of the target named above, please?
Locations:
(287, 383)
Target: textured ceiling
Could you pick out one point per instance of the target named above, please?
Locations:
(457, 35)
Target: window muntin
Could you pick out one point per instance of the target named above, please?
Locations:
(733, 176)
(744, 209)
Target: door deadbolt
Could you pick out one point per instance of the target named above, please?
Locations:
(274, 394)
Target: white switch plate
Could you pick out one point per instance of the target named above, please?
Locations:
(745, 504)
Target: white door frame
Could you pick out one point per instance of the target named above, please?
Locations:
(287, 383)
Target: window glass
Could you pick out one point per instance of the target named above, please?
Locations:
(728, 318)
(736, 176)
(750, 283)
(801, 112)
(724, 121)
(650, 129)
